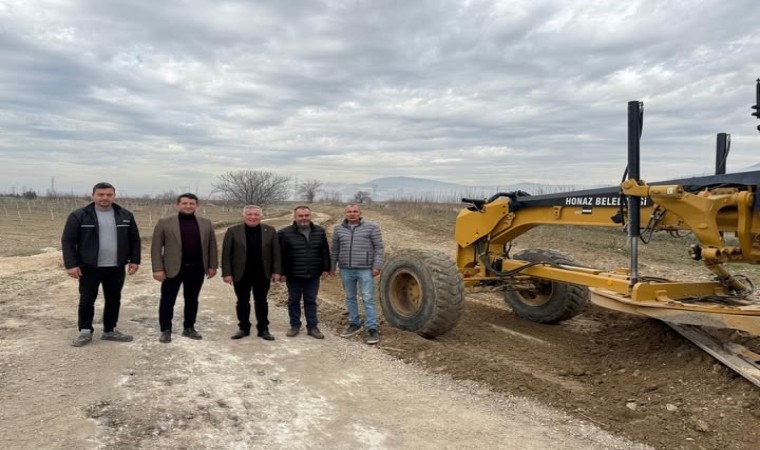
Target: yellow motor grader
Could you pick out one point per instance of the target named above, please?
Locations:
(423, 291)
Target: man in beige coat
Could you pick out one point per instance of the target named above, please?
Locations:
(251, 260)
(183, 251)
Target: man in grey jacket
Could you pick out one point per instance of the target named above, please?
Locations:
(357, 248)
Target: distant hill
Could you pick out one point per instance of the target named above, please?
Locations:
(411, 188)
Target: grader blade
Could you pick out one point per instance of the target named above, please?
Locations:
(737, 357)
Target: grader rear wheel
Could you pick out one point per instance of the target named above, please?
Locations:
(421, 291)
(550, 301)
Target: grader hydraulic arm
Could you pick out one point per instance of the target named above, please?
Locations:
(703, 207)
(423, 291)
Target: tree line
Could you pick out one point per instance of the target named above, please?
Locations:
(254, 187)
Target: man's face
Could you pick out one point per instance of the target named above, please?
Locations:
(186, 205)
(252, 217)
(302, 217)
(104, 198)
(353, 214)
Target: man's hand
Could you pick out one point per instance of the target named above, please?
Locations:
(375, 272)
(210, 273)
(324, 275)
(159, 276)
(276, 277)
(74, 272)
(227, 279)
(133, 268)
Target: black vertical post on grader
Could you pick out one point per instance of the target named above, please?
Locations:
(424, 291)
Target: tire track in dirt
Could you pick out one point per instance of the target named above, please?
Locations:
(629, 374)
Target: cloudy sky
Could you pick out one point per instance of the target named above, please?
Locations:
(166, 95)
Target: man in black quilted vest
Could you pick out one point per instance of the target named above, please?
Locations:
(305, 260)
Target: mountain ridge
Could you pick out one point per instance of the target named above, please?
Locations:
(414, 188)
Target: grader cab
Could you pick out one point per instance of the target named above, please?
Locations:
(424, 291)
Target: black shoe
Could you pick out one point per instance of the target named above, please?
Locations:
(266, 335)
(191, 333)
(166, 337)
(116, 335)
(240, 334)
(351, 330)
(372, 337)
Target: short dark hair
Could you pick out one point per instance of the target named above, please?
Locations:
(103, 185)
(189, 195)
(301, 207)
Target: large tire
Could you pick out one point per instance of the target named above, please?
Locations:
(421, 291)
(552, 301)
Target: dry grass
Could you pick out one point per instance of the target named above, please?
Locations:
(29, 227)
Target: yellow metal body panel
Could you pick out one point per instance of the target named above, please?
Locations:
(481, 237)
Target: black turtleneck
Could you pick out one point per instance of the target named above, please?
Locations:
(254, 265)
(191, 240)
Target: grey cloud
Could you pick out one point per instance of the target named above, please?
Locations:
(186, 90)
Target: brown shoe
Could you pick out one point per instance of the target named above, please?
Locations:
(293, 332)
(315, 333)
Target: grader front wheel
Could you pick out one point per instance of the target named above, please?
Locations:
(421, 291)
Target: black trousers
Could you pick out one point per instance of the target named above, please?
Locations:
(260, 288)
(112, 279)
(190, 277)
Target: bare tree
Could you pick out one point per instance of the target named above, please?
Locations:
(252, 187)
(333, 196)
(362, 197)
(307, 191)
(169, 195)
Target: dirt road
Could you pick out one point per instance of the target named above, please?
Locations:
(493, 381)
(218, 393)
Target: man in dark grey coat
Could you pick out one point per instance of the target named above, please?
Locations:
(251, 260)
(357, 249)
(305, 260)
(98, 241)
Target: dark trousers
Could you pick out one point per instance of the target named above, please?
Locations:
(307, 289)
(112, 279)
(191, 279)
(260, 288)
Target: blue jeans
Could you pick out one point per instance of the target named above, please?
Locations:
(307, 289)
(366, 284)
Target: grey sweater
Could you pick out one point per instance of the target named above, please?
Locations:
(358, 247)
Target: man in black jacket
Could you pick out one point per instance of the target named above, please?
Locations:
(305, 258)
(98, 241)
